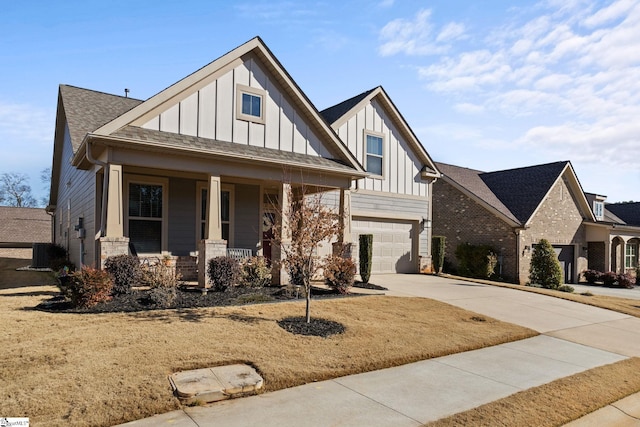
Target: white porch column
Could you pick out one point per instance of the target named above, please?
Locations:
(622, 268)
(607, 254)
(345, 215)
(213, 226)
(115, 202)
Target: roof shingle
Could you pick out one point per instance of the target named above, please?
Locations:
(24, 225)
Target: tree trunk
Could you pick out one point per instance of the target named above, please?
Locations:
(308, 312)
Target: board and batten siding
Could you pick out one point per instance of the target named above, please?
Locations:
(210, 112)
(76, 199)
(401, 166)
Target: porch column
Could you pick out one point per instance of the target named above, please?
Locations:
(344, 246)
(212, 245)
(112, 242)
(115, 203)
(607, 254)
(622, 268)
(279, 274)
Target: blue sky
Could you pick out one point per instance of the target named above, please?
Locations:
(485, 85)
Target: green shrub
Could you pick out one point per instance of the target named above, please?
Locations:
(438, 246)
(366, 256)
(125, 271)
(58, 258)
(88, 287)
(566, 288)
(163, 296)
(545, 268)
(478, 261)
(256, 273)
(223, 272)
(339, 273)
(296, 275)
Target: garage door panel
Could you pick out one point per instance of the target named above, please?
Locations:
(392, 244)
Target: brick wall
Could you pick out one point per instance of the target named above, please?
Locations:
(558, 220)
(462, 220)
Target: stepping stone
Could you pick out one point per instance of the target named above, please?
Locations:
(213, 384)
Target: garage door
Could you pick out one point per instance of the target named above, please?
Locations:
(392, 244)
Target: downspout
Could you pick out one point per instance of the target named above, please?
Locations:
(105, 186)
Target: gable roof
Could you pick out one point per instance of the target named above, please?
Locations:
(628, 212)
(343, 111)
(139, 114)
(515, 194)
(87, 110)
(24, 226)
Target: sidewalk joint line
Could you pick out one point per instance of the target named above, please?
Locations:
(624, 412)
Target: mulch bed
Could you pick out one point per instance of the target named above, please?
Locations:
(318, 327)
(139, 300)
(369, 286)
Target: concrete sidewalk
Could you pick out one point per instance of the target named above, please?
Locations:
(576, 338)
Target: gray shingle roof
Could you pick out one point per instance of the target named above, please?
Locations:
(471, 181)
(628, 212)
(523, 189)
(332, 114)
(24, 225)
(516, 193)
(230, 149)
(87, 110)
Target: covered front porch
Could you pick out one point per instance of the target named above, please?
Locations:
(613, 248)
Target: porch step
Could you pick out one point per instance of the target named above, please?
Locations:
(214, 384)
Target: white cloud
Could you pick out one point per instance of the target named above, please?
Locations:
(386, 3)
(468, 108)
(25, 122)
(417, 36)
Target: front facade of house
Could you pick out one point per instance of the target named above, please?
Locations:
(511, 211)
(201, 167)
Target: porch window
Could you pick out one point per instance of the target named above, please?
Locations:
(631, 256)
(145, 217)
(226, 197)
(374, 154)
(250, 104)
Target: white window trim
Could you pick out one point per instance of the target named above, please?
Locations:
(598, 209)
(150, 180)
(630, 258)
(240, 89)
(384, 150)
(224, 187)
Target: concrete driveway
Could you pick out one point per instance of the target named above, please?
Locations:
(575, 337)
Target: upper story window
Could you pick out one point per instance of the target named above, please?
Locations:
(598, 210)
(250, 104)
(374, 149)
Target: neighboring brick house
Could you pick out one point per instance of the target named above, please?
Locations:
(614, 240)
(511, 210)
(20, 228)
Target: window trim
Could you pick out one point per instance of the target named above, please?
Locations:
(149, 180)
(366, 153)
(631, 259)
(224, 187)
(598, 209)
(261, 93)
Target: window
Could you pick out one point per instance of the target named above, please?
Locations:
(631, 256)
(145, 214)
(374, 157)
(598, 210)
(250, 104)
(226, 204)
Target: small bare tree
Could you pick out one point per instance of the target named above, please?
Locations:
(15, 190)
(309, 223)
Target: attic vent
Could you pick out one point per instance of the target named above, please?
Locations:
(126, 93)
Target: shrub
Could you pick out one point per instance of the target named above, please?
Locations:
(296, 275)
(477, 261)
(58, 258)
(163, 296)
(566, 288)
(438, 245)
(339, 273)
(609, 278)
(626, 280)
(592, 276)
(256, 273)
(88, 287)
(159, 276)
(545, 268)
(125, 271)
(366, 256)
(223, 272)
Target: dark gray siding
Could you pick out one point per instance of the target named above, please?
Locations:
(182, 216)
(247, 217)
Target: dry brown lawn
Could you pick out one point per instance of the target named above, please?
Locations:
(557, 402)
(62, 369)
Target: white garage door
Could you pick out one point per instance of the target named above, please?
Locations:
(392, 244)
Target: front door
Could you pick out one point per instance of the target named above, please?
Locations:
(565, 256)
(268, 220)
